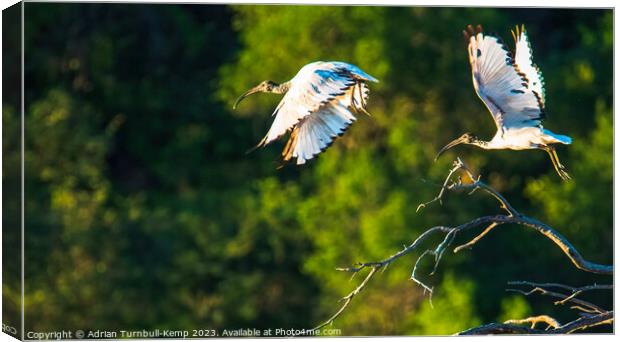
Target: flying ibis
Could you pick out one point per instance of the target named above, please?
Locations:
(512, 88)
(317, 107)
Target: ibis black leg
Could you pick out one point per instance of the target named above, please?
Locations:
(559, 168)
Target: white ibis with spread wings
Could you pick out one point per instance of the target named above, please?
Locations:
(317, 107)
(512, 88)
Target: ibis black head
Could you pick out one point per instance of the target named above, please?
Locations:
(263, 87)
(466, 138)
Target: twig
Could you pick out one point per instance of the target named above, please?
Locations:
(348, 299)
(475, 184)
(476, 239)
(456, 166)
(419, 282)
(405, 250)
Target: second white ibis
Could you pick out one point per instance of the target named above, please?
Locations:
(512, 89)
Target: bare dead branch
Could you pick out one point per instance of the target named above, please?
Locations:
(476, 239)
(474, 185)
(499, 328)
(416, 280)
(563, 286)
(579, 324)
(347, 299)
(569, 250)
(381, 264)
(512, 216)
(585, 323)
(515, 217)
(550, 321)
(585, 311)
(444, 187)
(582, 305)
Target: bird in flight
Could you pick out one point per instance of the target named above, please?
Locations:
(317, 107)
(512, 88)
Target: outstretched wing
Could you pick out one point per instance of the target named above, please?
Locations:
(317, 132)
(505, 92)
(318, 107)
(524, 64)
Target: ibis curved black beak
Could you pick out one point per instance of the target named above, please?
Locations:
(246, 94)
(453, 143)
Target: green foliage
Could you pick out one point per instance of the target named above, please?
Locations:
(143, 207)
(515, 307)
(451, 311)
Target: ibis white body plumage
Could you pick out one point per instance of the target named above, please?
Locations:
(318, 106)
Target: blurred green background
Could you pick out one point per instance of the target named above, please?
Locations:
(143, 210)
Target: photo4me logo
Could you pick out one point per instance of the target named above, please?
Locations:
(278, 332)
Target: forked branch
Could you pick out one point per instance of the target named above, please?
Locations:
(595, 315)
(544, 289)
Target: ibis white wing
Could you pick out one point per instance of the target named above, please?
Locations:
(524, 63)
(317, 132)
(504, 91)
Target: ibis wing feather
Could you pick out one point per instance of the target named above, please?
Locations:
(318, 131)
(524, 63)
(350, 69)
(504, 91)
(360, 95)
